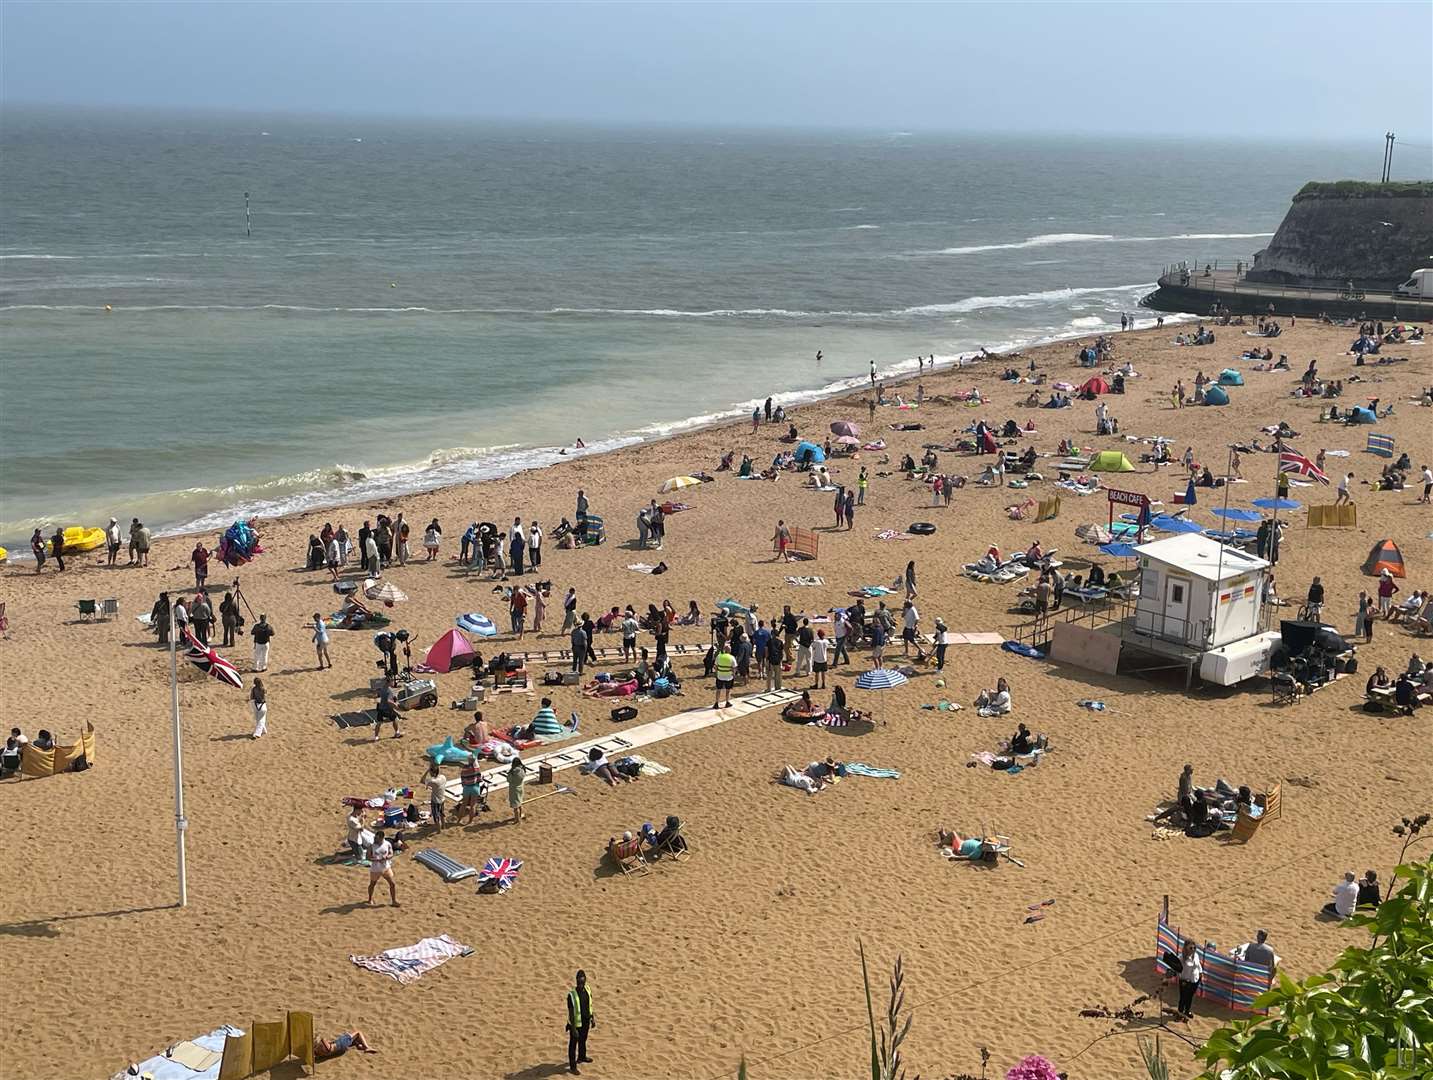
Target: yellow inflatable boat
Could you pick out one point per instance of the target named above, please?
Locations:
(78, 539)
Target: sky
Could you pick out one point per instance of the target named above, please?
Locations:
(1285, 70)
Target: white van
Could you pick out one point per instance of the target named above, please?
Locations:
(1420, 285)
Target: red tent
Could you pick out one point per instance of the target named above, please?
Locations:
(449, 651)
(1093, 387)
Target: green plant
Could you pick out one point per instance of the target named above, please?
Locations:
(1370, 1016)
(886, 1057)
(1153, 1057)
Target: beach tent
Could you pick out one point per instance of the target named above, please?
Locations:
(450, 651)
(1362, 416)
(808, 453)
(1230, 377)
(1093, 387)
(1216, 395)
(1384, 556)
(1110, 461)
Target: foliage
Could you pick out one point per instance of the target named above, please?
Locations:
(1370, 1017)
(886, 1057)
(1154, 1063)
(1365, 189)
(1033, 1067)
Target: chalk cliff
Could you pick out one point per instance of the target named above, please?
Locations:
(1372, 234)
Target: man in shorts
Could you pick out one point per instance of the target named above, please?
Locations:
(112, 540)
(437, 785)
(387, 713)
(725, 669)
(380, 868)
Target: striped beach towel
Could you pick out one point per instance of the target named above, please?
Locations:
(411, 962)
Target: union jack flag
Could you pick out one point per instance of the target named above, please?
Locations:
(1291, 461)
(207, 660)
(500, 872)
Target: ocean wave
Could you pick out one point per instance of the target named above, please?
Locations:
(852, 228)
(1019, 300)
(1049, 239)
(1087, 321)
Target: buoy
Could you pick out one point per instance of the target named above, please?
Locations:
(108, 308)
(393, 284)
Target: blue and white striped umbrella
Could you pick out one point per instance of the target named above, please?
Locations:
(880, 679)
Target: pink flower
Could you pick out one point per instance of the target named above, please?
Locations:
(1033, 1067)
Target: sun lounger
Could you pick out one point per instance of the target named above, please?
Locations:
(446, 868)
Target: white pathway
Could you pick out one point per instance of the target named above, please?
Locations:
(615, 745)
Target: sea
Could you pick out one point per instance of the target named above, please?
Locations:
(208, 316)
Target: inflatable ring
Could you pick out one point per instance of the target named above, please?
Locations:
(921, 528)
(624, 713)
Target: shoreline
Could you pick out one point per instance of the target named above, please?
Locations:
(899, 374)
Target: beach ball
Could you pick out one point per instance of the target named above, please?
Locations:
(940, 683)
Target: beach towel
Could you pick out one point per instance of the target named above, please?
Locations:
(646, 767)
(411, 962)
(446, 868)
(498, 874)
(805, 580)
(641, 567)
(203, 1051)
(858, 768)
(1093, 706)
(892, 534)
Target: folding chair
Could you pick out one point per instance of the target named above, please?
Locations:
(109, 609)
(1245, 826)
(627, 855)
(88, 609)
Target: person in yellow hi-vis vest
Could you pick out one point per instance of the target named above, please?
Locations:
(579, 1022)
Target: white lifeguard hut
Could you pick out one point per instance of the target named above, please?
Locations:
(1199, 595)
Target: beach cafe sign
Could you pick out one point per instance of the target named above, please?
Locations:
(1127, 498)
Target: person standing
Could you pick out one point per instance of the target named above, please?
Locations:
(259, 698)
(942, 642)
(133, 541)
(320, 641)
(437, 785)
(804, 640)
(380, 868)
(1190, 976)
(1386, 589)
(262, 633)
(775, 655)
(657, 522)
(579, 1023)
(202, 616)
(229, 617)
(517, 545)
(400, 538)
(432, 539)
(112, 540)
(910, 631)
(1427, 496)
(582, 505)
(142, 544)
(517, 777)
(539, 607)
(534, 550)
(578, 641)
(820, 653)
(373, 561)
(725, 671)
(851, 507)
(780, 540)
(630, 626)
(57, 547)
(37, 549)
(1343, 494)
(911, 580)
(843, 637)
(200, 558)
(517, 605)
(364, 535)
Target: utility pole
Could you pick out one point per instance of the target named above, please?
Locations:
(248, 221)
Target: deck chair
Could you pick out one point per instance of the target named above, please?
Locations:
(673, 842)
(109, 609)
(628, 857)
(1245, 826)
(88, 609)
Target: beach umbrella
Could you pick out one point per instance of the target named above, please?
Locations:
(848, 440)
(207, 660)
(499, 873)
(1235, 514)
(386, 591)
(880, 679)
(1189, 496)
(844, 427)
(1276, 504)
(1122, 551)
(1164, 523)
(676, 483)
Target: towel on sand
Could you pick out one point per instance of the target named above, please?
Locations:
(857, 768)
(411, 962)
(805, 581)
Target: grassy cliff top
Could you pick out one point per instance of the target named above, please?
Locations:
(1365, 189)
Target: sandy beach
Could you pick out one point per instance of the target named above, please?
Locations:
(748, 948)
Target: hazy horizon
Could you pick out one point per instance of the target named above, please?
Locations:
(1095, 69)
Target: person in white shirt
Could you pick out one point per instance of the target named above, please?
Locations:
(910, 631)
(1190, 976)
(820, 655)
(534, 547)
(437, 785)
(355, 833)
(1343, 495)
(380, 867)
(995, 702)
(1345, 897)
(1426, 498)
(112, 538)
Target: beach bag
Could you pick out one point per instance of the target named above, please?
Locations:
(552, 678)
(661, 688)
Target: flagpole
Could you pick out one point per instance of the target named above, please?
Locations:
(1224, 527)
(180, 822)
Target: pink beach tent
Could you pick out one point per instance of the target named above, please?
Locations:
(449, 651)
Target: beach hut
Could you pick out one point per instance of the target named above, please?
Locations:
(1230, 377)
(1384, 556)
(1216, 395)
(1110, 461)
(1197, 593)
(808, 453)
(450, 651)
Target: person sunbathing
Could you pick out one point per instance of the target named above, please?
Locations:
(600, 767)
(963, 847)
(341, 1043)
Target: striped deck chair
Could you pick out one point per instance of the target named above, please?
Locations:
(628, 857)
(1245, 827)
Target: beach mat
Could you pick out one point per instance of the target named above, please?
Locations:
(446, 868)
(355, 719)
